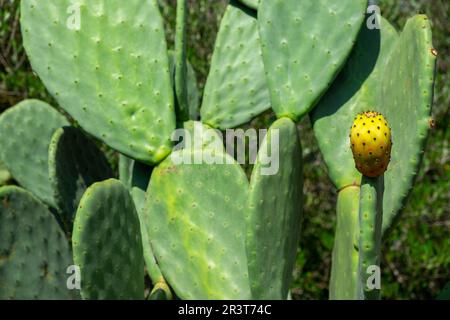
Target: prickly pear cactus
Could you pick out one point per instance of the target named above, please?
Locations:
(25, 134)
(236, 90)
(304, 45)
(344, 278)
(370, 227)
(384, 53)
(115, 81)
(75, 163)
(198, 136)
(193, 95)
(107, 244)
(34, 251)
(197, 226)
(274, 214)
(393, 74)
(136, 177)
(371, 143)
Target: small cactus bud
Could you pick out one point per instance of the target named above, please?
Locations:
(370, 139)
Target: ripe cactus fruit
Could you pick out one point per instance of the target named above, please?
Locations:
(371, 143)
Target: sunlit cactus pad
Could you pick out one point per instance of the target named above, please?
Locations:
(105, 62)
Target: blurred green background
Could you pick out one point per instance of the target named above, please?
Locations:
(416, 255)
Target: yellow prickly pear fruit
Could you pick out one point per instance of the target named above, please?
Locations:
(371, 143)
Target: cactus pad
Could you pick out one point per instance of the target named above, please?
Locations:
(236, 90)
(304, 45)
(253, 4)
(136, 176)
(5, 176)
(202, 136)
(193, 95)
(274, 214)
(344, 279)
(25, 134)
(34, 252)
(107, 243)
(75, 163)
(370, 233)
(381, 66)
(197, 227)
(406, 100)
(105, 62)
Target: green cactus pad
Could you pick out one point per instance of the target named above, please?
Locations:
(34, 252)
(304, 45)
(197, 227)
(253, 4)
(274, 214)
(202, 136)
(133, 173)
(136, 176)
(153, 270)
(107, 243)
(193, 95)
(393, 75)
(25, 134)
(355, 90)
(139, 180)
(125, 169)
(236, 90)
(370, 223)
(344, 278)
(406, 101)
(181, 89)
(5, 175)
(75, 163)
(105, 62)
